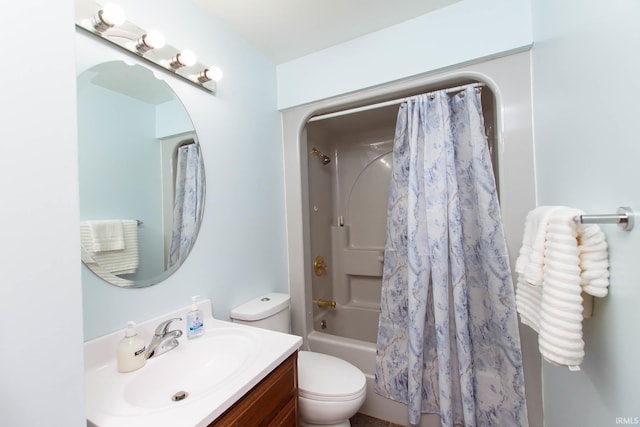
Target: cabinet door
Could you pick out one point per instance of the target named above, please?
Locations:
(273, 402)
(287, 417)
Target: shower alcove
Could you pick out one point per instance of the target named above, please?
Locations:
(348, 210)
(336, 207)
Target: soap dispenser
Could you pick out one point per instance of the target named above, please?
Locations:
(131, 351)
(195, 327)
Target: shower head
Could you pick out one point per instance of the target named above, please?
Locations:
(325, 159)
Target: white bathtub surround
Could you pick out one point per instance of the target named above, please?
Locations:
(572, 258)
(121, 400)
(448, 338)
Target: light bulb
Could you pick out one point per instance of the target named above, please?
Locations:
(151, 40)
(113, 14)
(108, 17)
(186, 58)
(211, 73)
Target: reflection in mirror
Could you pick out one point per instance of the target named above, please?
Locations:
(141, 173)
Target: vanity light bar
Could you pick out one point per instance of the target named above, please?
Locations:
(109, 23)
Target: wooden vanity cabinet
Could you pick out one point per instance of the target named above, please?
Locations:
(271, 403)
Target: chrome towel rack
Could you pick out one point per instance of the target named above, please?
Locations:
(624, 218)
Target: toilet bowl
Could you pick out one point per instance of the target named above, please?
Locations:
(330, 390)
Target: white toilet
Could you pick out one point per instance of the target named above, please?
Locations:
(330, 389)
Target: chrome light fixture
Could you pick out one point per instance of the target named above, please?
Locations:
(108, 22)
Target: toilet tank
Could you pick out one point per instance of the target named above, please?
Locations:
(269, 311)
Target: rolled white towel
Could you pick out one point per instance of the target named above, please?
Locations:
(561, 230)
(594, 256)
(575, 259)
(593, 269)
(563, 248)
(528, 299)
(531, 255)
(594, 260)
(591, 231)
(597, 287)
(563, 258)
(572, 269)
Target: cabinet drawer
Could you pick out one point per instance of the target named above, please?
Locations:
(273, 402)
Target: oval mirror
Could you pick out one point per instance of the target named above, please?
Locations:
(141, 174)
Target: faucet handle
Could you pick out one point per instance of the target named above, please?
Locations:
(163, 327)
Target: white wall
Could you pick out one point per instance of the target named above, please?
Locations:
(241, 252)
(41, 350)
(462, 32)
(241, 249)
(586, 73)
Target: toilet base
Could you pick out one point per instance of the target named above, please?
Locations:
(345, 423)
(324, 413)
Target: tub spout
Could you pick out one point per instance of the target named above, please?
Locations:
(323, 303)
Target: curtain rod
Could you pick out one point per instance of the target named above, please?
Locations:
(386, 103)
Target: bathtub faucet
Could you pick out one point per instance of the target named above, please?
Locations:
(323, 303)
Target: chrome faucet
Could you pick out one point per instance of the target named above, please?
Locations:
(163, 339)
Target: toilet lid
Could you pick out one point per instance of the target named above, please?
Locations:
(321, 376)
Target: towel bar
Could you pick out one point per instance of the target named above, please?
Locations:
(624, 218)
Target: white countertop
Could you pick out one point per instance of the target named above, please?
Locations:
(106, 405)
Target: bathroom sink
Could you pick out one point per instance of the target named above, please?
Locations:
(194, 367)
(189, 386)
(187, 373)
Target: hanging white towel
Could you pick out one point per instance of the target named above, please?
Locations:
(529, 266)
(106, 235)
(124, 261)
(575, 260)
(102, 273)
(531, 257)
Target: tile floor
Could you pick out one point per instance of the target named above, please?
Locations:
(361, 420)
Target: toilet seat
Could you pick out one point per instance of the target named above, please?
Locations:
(327, 378)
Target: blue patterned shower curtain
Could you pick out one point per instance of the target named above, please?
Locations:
(188, 202)
(448, 339)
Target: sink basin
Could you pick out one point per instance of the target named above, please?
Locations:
(187, 373)
(194, 367)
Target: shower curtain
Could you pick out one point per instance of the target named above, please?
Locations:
(188, 202)
(448, 338)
